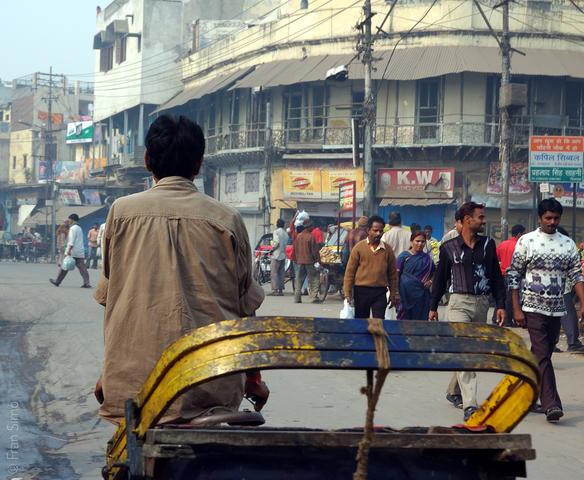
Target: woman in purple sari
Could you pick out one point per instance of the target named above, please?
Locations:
(415, 270)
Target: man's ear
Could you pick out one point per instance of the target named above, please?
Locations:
(147, 161)
(197, 168)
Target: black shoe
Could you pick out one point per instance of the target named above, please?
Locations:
(468, 411)
(53, 282)
(86, 286)
(304, 292)
(576, 349)
(553, 414)
(317, 300)
(297, 301)
(455, 399)
(537, 408)
(557, 350)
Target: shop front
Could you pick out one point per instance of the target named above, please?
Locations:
(316, 191)
(422, 195)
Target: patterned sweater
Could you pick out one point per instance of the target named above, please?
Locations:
(546, 263)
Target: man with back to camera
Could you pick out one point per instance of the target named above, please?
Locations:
(278, 262)
(470, 262)
(397, 237)
(174, 260)
(370, 272)
(543, 262)
(75, 248)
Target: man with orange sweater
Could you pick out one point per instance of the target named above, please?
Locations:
(370, 272)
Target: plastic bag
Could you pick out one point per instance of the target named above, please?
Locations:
(68, 264)
(390, 313)
(301, 218)
(348, 311)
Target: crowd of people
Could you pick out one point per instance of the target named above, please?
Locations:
(533, 279)
(175, 260)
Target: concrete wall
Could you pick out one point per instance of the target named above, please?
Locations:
(148, 75)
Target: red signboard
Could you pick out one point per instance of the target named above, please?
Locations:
(410, 183)
(347, 194)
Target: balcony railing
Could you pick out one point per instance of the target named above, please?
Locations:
(406, 132)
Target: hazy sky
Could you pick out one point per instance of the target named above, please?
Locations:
(36, 34)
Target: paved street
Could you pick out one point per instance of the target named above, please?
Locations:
(51, 347)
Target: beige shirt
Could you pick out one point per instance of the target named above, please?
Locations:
(398, 238)
(174, 260)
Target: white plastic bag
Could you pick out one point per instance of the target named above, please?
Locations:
(348, 311)
(390, 313)
(68, 263)
(301, 218)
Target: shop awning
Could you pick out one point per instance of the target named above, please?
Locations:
(415, 202)
(220, 82)
(413, 63)
(44, 214)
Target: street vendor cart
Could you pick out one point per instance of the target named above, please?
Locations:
(482, 448)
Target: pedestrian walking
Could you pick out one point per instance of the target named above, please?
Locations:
(504, 254)
(305, 254)
(278, 263)
(75, 248)
(397, 237)
(174, 260)
(357, 234)
(415, 271)
(93, 244)
(544, 262)
(371, 271)
(470, 262)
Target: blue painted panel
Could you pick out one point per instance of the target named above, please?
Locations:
(429, 215)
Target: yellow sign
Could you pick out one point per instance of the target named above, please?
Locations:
(299, 184)
(332, 179)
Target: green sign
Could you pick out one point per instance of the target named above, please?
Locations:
(551, 174)
(79, 132)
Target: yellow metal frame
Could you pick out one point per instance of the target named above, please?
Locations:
(265, 343)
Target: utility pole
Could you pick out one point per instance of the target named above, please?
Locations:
(51, 162)
(268, 168)
(505, 123)
(368, 114)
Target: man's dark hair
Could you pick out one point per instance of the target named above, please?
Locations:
(517, 230)
(175, 147)
(280, 223)
(394, 219)
(74, 217)
(375, 219)
(549, 205)
(429, 227)
(457, 216)
(468, 208)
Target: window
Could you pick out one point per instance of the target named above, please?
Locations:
(293, 111)
(231, 183)
(25, 161)
(318, 111)
(106, 59)
(121, 47)
(252, 182)
(357, 99)
(574, 103)
(428, 109)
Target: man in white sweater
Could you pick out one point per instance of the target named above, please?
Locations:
(545, 260)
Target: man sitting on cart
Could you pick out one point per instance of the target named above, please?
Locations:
(174, 260)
